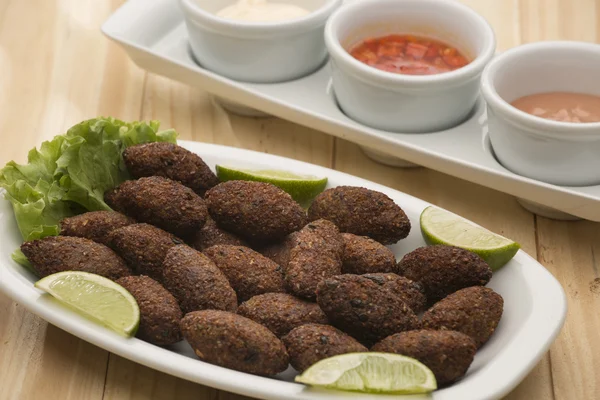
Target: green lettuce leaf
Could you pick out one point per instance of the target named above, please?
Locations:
(20, 258)
(41, 163)
(37, 209)
(91, 162)
(33, 192)
(145, 133)
(69, 174)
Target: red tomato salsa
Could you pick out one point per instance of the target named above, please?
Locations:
(409, 55)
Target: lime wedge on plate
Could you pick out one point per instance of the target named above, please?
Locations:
(371, 372)
(443, 227)
(302, 188)
(95, 297)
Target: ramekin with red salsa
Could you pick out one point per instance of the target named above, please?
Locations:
(409, 66)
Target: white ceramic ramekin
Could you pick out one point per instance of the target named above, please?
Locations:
(405, 103)
(560, 153)
(257, 52)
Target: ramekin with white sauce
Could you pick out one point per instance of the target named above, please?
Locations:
(239, 45)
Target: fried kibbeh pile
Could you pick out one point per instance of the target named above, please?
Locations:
(254, 282)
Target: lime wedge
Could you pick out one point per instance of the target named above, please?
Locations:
(371, 372)
(95, 297)
(443, 227)
(302, 188)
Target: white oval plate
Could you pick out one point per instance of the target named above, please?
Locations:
(534, 308)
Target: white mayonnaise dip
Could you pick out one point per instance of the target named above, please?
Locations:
(261, 11)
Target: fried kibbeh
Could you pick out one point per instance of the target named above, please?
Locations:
(159, 312)
(170, 161)
(211, 235)
(112, 198)
(316, 254)
(362, 212)
(256, 211)
(94, 225)
(280, 251)
(444, 269)
(143, 247)
(310, 343)
(164, 203)
(235, 342)
(249, 273)
(328, 231)
(363, 255)
(410, 292)
(363, 309)
(474, 311)
(448, 354)
(54, 254)
(196, 282)
(281, 312)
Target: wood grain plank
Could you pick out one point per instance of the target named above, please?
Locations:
(569, 249)
(503, 16)
(42, 361)
(558, 20)
(24, 88)
(56, 70)
(59, 71)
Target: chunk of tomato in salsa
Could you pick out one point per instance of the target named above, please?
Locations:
(408, 54)
(416, 50)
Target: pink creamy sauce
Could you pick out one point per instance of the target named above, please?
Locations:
(561, 106)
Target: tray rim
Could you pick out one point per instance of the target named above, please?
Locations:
(549, 307)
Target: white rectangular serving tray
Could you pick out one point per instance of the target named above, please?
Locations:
(534, 308)
(154, 35)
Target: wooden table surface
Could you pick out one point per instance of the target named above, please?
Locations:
(57, 69)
